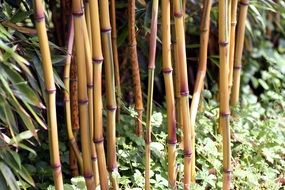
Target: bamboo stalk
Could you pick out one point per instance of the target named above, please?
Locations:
(168, 80)
(224, 95)
(51, 93)
(97, 59)
(184, 91)
(238, 52)
(110, 92)
(90, 87)
(135, 65)
(115, 56)
(151, 67)
(232, 41)
(82, 96)
(88, 22)
(66, 77)
(199, 83)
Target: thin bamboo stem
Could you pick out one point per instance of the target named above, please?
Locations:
(233, 23)
(83, 96)
(110, 92)
(51, 93)
(224, 95)
(97, 59)
(90, 87)
(151, 67)
(66, 77)
(88, 22)
(116, 60)
(203, 54)
(135, 65)
(184, 91)
(168, 80)
(238, 52)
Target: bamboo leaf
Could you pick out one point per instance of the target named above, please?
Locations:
(9, 177)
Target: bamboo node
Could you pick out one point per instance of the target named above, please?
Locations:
(234, 23)
(73, 80)
(204, 30)
(90, 86)
(187, 153)
(224, 43)
(50, 91)
(178, 14)
(184, 93)
(77, 14)
(106, 30)
(93, 158)
(98, 141)
(88, 176)
(112, 168)
(97, 60)
(167, 70)
(227, 171)
(56, 166)
(66, 100)
(172, 142)
(39, 18)
(244, 3)
(83, 101)
(225, 114)
(111, 108)
(237, 67)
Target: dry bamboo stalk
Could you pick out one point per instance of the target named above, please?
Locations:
(135, 65)
(199, 83)
(168, 80)
(224, 95)
(184, 91)
(72, 140)
(233, 23)
(110, 92)
(97, 59)
(82, 96)
(151, 67)
(116, 60)
(238, 51)
(51, 92)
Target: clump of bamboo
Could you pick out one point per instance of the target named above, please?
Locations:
(199, 83)
(224, 95)
(115, 55)
(82, 96)
(168, 81)
(232, 40)
(66, 77)
(184, 91)
(151, 67)
(110, 92)
(97, 59)
(135, 65)
(238, 51)
(51, 91)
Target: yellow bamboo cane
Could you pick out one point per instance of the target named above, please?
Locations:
(51, 90)
(110, 91)
(116, 60)
(232, 41)
(184, 91)
(238, 52)
(199, 83)
(83, 96)
(97, 59)
(224, 95)
(168, 80)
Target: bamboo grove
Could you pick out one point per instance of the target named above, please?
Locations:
(92, 45)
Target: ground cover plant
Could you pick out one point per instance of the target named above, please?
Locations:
(141, 94)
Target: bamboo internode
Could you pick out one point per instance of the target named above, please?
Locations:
(51, 91)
